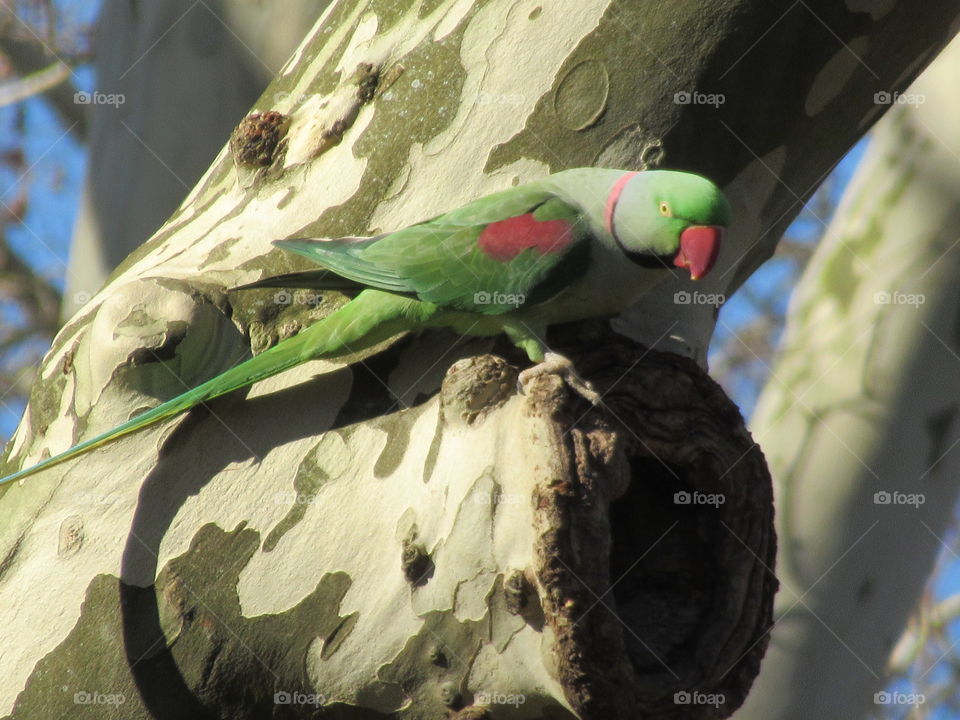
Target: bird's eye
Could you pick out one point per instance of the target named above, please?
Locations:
(665, 210)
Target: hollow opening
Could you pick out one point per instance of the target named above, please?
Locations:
(664, 567)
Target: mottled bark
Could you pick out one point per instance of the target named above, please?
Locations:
(377, 568)
(862, 424)
(182, 74)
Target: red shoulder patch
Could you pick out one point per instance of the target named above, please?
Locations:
(505, 239)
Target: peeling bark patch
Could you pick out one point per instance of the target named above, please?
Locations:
(579, 112)
(160, 335)
(164, 348)
(842, 265)
(581, 97)
(651, 583)
(182, 649)
(434, 451)
(309, 479)
(428, 6)
(832, 80)
(220, 253)
(424, 683)
(43, 407)
(322, 121)
(398, 439)
(177, 609)
(387, 12)
(402, 112)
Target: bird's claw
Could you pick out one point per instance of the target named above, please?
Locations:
(562, 366)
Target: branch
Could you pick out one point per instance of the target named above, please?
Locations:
(29, 56)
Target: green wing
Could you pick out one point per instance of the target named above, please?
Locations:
(514, 248)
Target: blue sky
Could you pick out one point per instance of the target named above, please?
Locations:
(55, 165)
(775, 280)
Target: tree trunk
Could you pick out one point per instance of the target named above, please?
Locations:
(149, 148)
(861, 424)
(426, 551)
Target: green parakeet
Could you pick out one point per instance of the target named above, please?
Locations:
(581, 243)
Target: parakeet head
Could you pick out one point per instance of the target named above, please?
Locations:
(668, 218)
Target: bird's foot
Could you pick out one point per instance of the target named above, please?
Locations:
(562, 366)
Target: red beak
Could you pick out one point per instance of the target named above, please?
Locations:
(699, 247)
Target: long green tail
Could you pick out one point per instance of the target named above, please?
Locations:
(369, 319)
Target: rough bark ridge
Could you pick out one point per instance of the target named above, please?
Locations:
(363, 545)
(655, 544)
